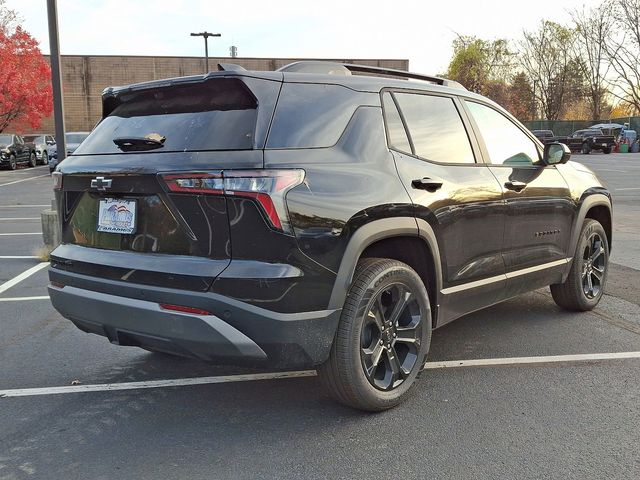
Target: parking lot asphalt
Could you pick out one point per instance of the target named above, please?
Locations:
(533, 420)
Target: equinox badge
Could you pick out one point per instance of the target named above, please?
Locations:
(101, 183)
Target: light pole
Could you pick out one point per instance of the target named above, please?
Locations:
(56, 79)
(206, 36)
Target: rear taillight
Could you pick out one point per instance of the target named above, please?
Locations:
(57, 180)
(267, 187)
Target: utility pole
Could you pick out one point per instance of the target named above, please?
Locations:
(56, 79)
(206, 36)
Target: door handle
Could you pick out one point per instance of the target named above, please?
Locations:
(427, 184)
(515, 185)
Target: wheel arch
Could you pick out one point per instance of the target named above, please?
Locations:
(602, 213)
(406, 239)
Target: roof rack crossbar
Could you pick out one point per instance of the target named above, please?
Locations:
(401, 73)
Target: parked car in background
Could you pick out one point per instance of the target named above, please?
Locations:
(311, 218)
(43, 142)
(73, 141)
(547, 136)
(15, 151)
(542, 134)
(589, 139)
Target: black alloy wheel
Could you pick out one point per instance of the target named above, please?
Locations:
(382, 339)
(12, 162)
(585, 283)
(593, 266)
(390, 338)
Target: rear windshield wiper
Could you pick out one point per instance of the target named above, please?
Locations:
(132, 144)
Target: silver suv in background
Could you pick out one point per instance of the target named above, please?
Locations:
(72, 140)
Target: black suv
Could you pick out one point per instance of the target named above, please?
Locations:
(309, 217)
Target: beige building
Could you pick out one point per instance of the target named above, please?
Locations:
(84, 78)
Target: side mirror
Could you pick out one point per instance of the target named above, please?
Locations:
(555, 153)
(49, 142)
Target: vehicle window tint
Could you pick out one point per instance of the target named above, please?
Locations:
(314, 115)
(436, 128)
(218, 114)
(505, 142)
(397, 134)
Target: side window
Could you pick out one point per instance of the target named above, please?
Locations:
(397, 134)
(505, 142)
(436, 128)
(314, 115)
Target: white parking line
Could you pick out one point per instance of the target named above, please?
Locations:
(629, 188)
(16, 234)
(489, 362)
(26, 274)
(23, 299)
(181, 382)
(23, 180)
(14, 257)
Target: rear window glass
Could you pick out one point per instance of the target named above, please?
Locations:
(314, 115)
(218, 114)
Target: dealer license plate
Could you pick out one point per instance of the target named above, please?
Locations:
(117, 216)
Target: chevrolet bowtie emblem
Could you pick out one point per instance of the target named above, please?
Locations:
(101, 183)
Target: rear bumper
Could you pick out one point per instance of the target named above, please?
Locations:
(235, 332)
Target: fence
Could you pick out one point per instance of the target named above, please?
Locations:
(567, 127)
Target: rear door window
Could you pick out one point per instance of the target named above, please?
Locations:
(218, 114)
(436, 128)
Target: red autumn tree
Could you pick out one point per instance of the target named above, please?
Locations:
(25, 81)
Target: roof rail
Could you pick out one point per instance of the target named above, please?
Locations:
(230, 67)
(315, 66)
(403, 74)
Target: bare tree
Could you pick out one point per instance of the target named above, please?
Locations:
(593, 28)
(547, 59)
(8, 18)
(623, 51)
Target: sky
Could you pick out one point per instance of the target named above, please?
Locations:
(421, 31)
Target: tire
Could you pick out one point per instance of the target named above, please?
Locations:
(585, 149)
(367, 331)
(45, 158)
(584, 287)
(12, 162)
(606, 151)
(33, 161)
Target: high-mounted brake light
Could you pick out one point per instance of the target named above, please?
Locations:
(57, 180)
(267, 187)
